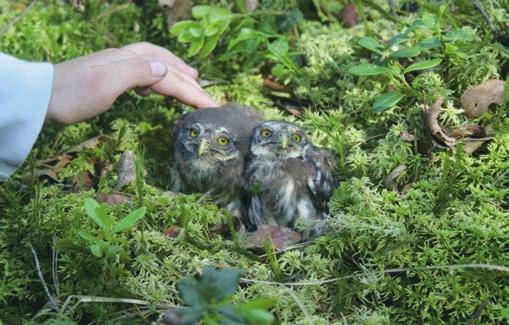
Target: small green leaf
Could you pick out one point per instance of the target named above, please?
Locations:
(211, 30)
(201, 11)
(387, 100)
(87, 236)
(186, 37)
(218, 13)
(421, 65)
(245, 34)
(97, 213)
(196, 31)
(182, 26)
(130, 220)
(208, 46)
(368, 69)
(97, 250)
(258, 316)
(397, 39)
(278, 48)
(460, 35)
(370, 43)
(263, 303)
(407, 52)
(189, 291)
(195, 46)
(430, 43)
(429, 21)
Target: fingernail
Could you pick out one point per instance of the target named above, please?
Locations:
(157, 68)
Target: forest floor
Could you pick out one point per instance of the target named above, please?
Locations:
(419, 225)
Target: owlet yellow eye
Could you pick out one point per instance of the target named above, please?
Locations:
(266, 133)
(297, 137)
(223, 141)
(194, 133)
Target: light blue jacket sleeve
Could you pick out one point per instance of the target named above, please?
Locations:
(25, 92)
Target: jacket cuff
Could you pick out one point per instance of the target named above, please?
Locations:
(25, 93)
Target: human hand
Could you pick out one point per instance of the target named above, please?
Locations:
(87, 86)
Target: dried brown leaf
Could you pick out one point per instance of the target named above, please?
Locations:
(127, 169)
(476, 100)
(172, 231)
(390, 180)
(435, 128)
(83, 182)
(405, 136)
(223, 230)
(349, 15)
(280, 237)
(113, 199)
(89, 144)
(41, 173)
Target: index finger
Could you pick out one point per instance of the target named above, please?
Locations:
(184, 89)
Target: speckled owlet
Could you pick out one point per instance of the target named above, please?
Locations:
(287, 177)
(210, 146)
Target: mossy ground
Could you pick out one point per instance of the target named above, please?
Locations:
(453, 211)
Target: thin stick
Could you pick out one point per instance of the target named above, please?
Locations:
(54, 267)
(52, 300)
(490, 267)
(88, 299)
(17, 18)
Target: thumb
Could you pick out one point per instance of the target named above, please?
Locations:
(130, 73)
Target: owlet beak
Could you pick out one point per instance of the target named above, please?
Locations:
(203, 147)
(284, 141)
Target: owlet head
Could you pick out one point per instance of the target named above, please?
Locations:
(207, 142)
(278, 138)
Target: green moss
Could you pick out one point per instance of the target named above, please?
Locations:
(452, 208)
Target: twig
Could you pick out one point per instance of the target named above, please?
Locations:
(88, 299)
(490, 267)
(54, 267)
(17, 18)
(52, 300)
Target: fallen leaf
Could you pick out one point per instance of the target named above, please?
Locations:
(89, 144)
(390, 180)
(473, 135)
(466, 131)
(476, 100)
(83, 182)
(271, 84)
(349, 15)
(223, 230)
(113, 199)
(405, 136)
(471, 146)
(127, 170)
(435, 128)
(281, 238)
(172, 232)
(41, 173)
